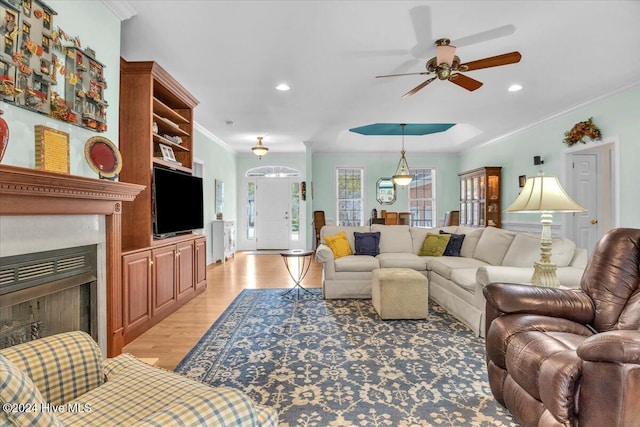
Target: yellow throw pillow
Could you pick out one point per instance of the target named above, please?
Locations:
(434, 244)
(339, 244)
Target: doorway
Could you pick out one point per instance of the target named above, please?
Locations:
(593, 179)
(273, 213)
(274, 210)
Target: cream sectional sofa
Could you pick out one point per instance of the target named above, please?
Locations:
(455, 283)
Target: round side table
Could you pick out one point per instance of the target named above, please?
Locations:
(302, 260)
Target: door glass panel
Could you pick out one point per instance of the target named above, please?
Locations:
(251, 210)
(295, 211)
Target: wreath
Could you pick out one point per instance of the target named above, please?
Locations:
(580, 130)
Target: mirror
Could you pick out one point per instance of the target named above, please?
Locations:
(385, 191)
(219, 198)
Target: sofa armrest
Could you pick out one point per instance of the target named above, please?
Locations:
(221, 406)
(324, 254)
(571, 304)
(62, 366)
(569, 277)
(503, 274)
(622, 346)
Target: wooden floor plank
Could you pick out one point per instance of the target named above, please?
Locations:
(171, 339)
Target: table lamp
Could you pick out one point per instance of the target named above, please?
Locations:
(544, 194)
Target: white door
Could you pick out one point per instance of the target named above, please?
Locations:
(586, 190)
(273, 213)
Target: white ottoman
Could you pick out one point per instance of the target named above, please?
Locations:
(400, 293)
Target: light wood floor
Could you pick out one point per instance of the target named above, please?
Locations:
(170, 340)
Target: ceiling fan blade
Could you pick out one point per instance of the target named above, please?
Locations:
(417, 88)
(505, 30)
(466, 82)
(493, 61)
(402, 74)
(421, 19)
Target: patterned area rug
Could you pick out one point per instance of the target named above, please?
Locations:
(334, 363)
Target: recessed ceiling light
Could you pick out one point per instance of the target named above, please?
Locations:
(515, 87)
(283, 87)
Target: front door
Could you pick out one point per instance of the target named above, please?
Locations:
(273, 213)
(587, 191)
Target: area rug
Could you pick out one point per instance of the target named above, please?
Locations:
(334, 363)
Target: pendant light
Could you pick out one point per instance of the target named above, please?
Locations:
(402, 177)
(259, 150)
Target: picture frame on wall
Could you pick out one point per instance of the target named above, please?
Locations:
(522, 179)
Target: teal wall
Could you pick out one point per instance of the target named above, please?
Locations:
(381, 165)
(219, 164)
(616, 115)
(91, 22)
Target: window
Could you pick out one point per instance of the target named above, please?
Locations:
(422, 198)
(349, 184)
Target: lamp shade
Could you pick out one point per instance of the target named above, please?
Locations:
(445, 54)
(259, 150)
(544, 194)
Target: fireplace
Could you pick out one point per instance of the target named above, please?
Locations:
(45, 293)
(45, 211)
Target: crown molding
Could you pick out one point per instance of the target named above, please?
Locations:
(561, 113)
(121, 8)
(211, 136)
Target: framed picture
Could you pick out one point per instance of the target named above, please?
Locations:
(167, 153)
(522, 179)
(51, 149)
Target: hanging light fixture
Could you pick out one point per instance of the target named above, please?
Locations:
(402, 177)
(259, 150)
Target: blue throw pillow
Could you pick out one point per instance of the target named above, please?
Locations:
(455, 244)
(367, 243)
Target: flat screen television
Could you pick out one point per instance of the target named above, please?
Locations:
(177, 202)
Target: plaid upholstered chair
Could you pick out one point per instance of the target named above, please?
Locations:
(62, 380)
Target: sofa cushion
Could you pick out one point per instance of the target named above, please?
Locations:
(330, 230)
(418, 235)
(434, 244)
(493, 245)
(471, 237)
(357, 263)
(394, 238)
(465, 277)
(339, 245)
(455, 244)
(367, 243)
(21, 399)
(525, 250)
(446, 264)
(402, 260)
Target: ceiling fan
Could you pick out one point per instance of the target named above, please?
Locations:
(446, 66)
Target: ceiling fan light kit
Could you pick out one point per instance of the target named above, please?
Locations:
(446, 66)
(402, 176)
(259, 150)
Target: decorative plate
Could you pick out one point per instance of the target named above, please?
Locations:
(103, 157)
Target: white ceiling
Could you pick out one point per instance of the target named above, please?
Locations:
(231, 54)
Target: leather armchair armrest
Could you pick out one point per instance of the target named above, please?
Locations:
(571, 304)
(614, 346)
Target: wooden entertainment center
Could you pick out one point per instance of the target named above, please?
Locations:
(158, 275)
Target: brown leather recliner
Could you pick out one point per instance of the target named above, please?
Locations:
(571, 357)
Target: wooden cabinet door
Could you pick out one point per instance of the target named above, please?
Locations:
(164, 294)
(136, 281)
(186, 276)
(200, 264)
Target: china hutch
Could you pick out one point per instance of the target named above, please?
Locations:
(480, 197)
